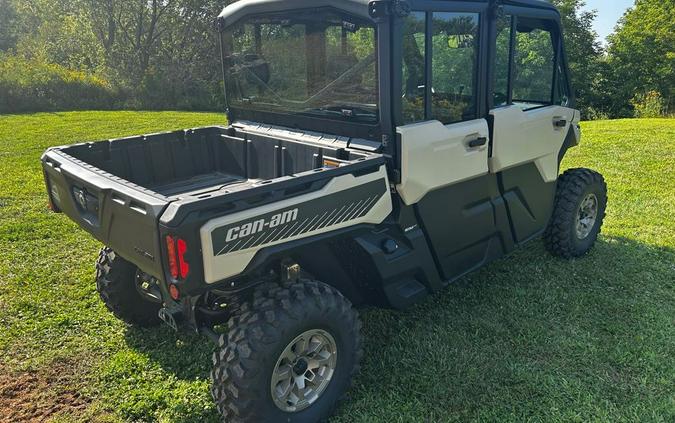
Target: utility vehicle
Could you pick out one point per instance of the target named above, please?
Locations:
(376, 152)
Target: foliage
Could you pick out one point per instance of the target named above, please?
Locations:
(160, 53)
(584, 54)
(27, 85)
(641, 55)
(527, 338)
(57, 32)
(649, 105)
(7, 24)
(164, 53)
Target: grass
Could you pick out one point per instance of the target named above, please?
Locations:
(530, 337)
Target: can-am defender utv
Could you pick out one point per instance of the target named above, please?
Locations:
(377, 151)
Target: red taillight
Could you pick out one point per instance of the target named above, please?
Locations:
(171, 253)
(176, 249)
(184, 267)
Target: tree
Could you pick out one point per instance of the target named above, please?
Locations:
(186, 67)
(641, 54)
(56, 32)
(7, 25)
(584, 52)
(104, 17)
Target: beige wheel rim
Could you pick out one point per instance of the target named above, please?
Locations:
(304, 370)
(586, 216)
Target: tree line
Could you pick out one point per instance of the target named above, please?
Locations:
(163, 54)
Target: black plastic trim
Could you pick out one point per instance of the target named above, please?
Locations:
(570, 141)
(300, 122)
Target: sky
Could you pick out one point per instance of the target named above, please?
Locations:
(609, 12)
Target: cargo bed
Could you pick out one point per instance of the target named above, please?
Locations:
(121, 190)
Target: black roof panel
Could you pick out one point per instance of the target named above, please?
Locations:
(237, 10)
(540, 4)
(241, 8)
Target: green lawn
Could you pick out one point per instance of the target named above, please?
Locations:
(529, 337)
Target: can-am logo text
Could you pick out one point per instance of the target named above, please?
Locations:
(257, 226)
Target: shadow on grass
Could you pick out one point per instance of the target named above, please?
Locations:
(187, 356)
(524, 336)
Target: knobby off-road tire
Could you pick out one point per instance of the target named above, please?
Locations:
(116, 285)
(580, 191)
(262, 332)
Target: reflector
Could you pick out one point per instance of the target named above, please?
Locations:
(174, 292)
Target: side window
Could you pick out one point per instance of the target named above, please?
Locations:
(502, 57)
(413, 90)
(454, 66)
(534, 65)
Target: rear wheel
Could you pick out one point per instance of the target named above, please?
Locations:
(579, 211)
(117, 283)
(289, 355)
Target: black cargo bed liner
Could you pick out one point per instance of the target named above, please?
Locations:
(199, 161)
(197, 185)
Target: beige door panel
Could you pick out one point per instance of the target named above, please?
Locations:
(434, 155)
(524, 136)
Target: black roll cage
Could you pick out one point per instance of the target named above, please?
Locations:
(388, 17)
(373, 132)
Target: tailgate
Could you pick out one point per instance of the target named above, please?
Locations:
(121, 215)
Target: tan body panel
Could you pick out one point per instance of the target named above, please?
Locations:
(219, 266)
(530, 136)
(434, 155)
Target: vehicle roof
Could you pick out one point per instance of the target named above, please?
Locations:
(541, 4)
(239, 9)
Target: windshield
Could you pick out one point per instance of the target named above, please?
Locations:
(307, 63)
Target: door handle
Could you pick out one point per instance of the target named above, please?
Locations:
(478, 142)
(560, 123)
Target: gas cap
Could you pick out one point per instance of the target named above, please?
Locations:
(389, 246)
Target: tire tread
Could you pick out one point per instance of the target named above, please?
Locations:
(571, 186)
(255, 326)
(115, 285)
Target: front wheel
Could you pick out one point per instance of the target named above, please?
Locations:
(289, 355)
(579, 211)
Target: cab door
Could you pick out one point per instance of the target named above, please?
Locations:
(531, 116)
(444, 135)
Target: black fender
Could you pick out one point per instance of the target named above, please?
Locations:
(321, 255)
(370, 264)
